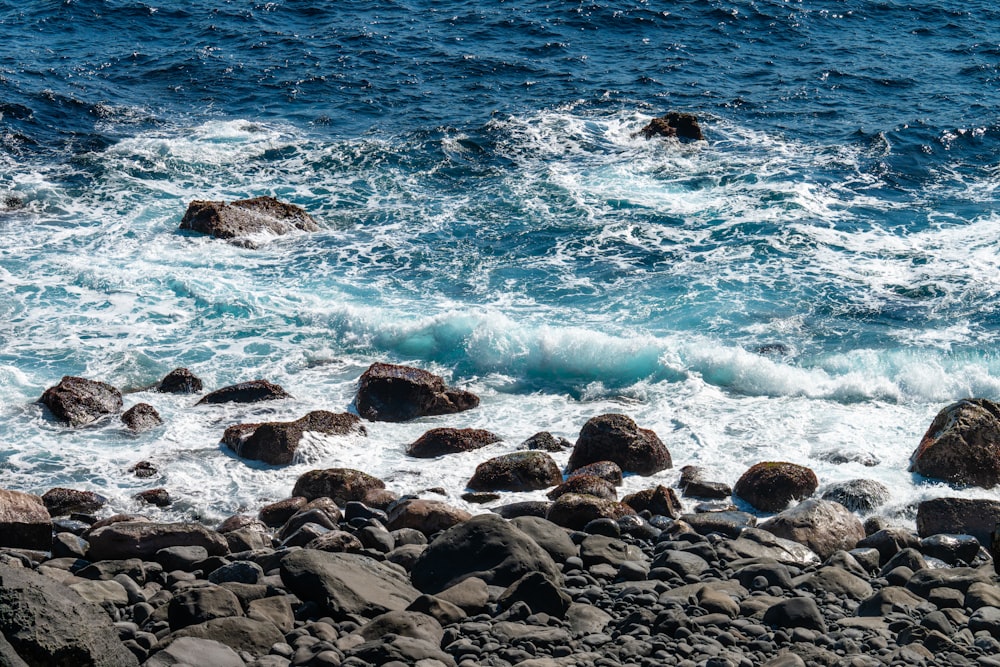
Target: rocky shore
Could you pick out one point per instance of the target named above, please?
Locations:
(347, 572)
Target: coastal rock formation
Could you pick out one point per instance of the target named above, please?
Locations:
(609, 471)
(858, 495)
(141, 539)
(694, 484)
(659, 500)
(770, 486)
(392, 393)
(276, 442)
(340, 484)
(673, 124)
(141, 417)
(574, 510)
(546, 442)
(427, 516)
(441, 441)
(63, 502)
(78, 401)
(246, 392)
(590, 485)
(24, 521)
(519, 471)
(245, 221)
(617, 438)
(180, 381)
(822, 525)
(962, 445)
(970, 516)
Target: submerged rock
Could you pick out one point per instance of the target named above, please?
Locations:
(180, 381)
(246, 392)
(617, 438)
(392, 393)
(518, 471)
(962, 444)
(78, 401)
(673, 124)
(242, 220)
(770, 486)
(546, 442)
(441, 441)
(276, 442)
(141, 417)
(859, 495)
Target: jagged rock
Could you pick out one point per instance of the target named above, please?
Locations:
(575, 511)
(159, 497)
(139, 539)
(590, 485)
(388, 392)
(694, 484)
(24, 521)
(858, 495)
(822, 525)
(78, 401)
(547, 442)
(245, 220)
(180, 381)
(246, 392)
(658, 500)
(141, 417)
(63, 502)
(962, 444)
(617, 438)
(673, 124)
(427, 516)
(519, 471)
(968, 516)
(770, 486)
(441, 441)
(275, 443)
(340, 484)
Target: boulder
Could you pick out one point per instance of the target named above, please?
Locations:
(243, 635)
(406, 623)
(694, 484)
(388, 392)
(575, 511)
(78, 401)
(539, 592)
(673, 124)
(139, 539)
(144, 469)
(180, 381)
(340, 484)
(63, 502)
(822, 525)
(243, 220)
(276, 514)
(198, 604)
(194, 651)
(24, 521)
(554, 539)
(339, 541)
(486, 547)
(141, 417)
(658, 500)
(617, 438)
(441, 441)
(519, 471)
(609, 471)
(393, 649)
(590, 485)
(427, 516)
(962, 445)
(962, 516)
(158, 496)
(246, 392)
(546, 442)
(275, 443)
(770, 486)
(858, 495)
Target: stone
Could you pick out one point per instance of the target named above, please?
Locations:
(141, 417)
(78, 401)
(968, 516)
(889, 541)
(139, 539)
(427, 516)
(63, 502)
(24, 521)
(388, 392)
(405, 623)
(278, 513)
(595, 549)
(275, 443)
(546, 442)
(519, 471)
(959, 578)
(673, 124)
(191, 651)
(471, 595)
(617, 438)
(180, 381)
(771, 485)
(336, 541)
(340, 484)
(537, 508)
(590, 485)
(442, 611)
(986, 619)
(609, 471)
(243, 635)
(539, 592)
(253, 391)
(730, 524)
(836, 581)
(549, 536)
(822, 525)
(694, 484)
(401, 650)
(659, 500)
(198, 604)
(962, 444)
(110, 592)
(800, 612)
(889, 599)
(276, 610)
(159, 497)
(575, 511)
(858, 495)
(951, 548)
(143, 469)
(246, 221)
(441, 441)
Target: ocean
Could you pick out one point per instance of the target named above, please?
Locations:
(811, 283)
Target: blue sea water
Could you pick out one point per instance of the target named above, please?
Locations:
(819, 276)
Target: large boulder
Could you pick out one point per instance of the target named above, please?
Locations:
(822, 525)
(659, 500)
(694, 484)
(246, 392)
(962, 516)
(245, 221)
(441, 441)
(24, 521)
(487, 547)
(617, 438)
(276, 442)
(49, 624)
(520, 471)
(78, 401)
(590, 485)
(771, 485)
(858, 495)
(962, 445)
(141, 539)
(392, 393)
(180, 381)
(340, 484)
(63, 502)
(141, 417)
(427, 516)
(673, 124)
(575, 510)
(193, 651)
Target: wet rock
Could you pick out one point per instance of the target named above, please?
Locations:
(275, 443)
(962, 444)
(950, 548)
(244, 221)
(822, 525)
(78, 401)
(144, 469)
(694, 484)
(441, 441)
(770, 486)
(63, 502)
(609, 471)
(246, 392)
(278, 513)
(180, 381)
(159, 497)
(141, 417)
(617, 438)
(858, 495)
(575, 511)
(673, 124)
(730, 524)
(427, 516)
(24, 521)
(519, 471)
(968, 516)
(525, 508)
(546, 442)
(136, 539)
(590, 485)
(340, 484)
(659, 500)
(889, 541)
(388, 392)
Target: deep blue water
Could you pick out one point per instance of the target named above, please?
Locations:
(820, 273)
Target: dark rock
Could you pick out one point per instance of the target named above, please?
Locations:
(195, 651)
(141, 417)
(246, 392)
(575, 511)
(63, 502)
(238, 521)
(962, 444)
(406, 623)
(471, 595)
(340, 484)
(554, 539)
(24, 521)
(184, 558)
(539, 592)
(609, 471)
(822, 525)
(135, 539)
(442, 611)
(908, 558)
(275, 443)
(427, 516)
(889, 599)
(78, 401)
(159, 497)
(859, 495)
(201, 603)
(888, 541)
(694, 484)
(967, 516)
(480, 497)
(774, 574)
(243, 635)
(398, 649)
(278, 513)
(546, 442)
(959, 578)
(951, 548)
(387, 392)
(683, 563)
(590, 485)
(597, 549)
(801, 612)
(986, 619)
(519, 471)
(539, 508)
(730, 524)
(617, 438)
(244, 219)
(770, 486)
(441, 441)
(143, 469)
(339, 541)
(660, 500)
(835, 581)
(180, 381)
(321, 512)
(673, 124)
(241, 571)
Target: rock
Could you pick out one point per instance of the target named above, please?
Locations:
(346, 584)
(539, 592)
(46, 623)
(141, 417)
(858, 495)
(195, 651)
(198, 604)
(770, 486)
(244, 221)
(554, 539)
(471, 595)
(659, 500)
(246, 392)
(143, 469)
(951, 548)
(137, 539)
(730, 524)
(617, 438)
(442, 611)
(968, 516)
(546, 442)
(962, 444)
(889, 599)
(24, 521)
(837, 581)
(387, 392)
(519, 471)
(396, 650)
(590, 485)
(694, 484)
(888, 541)
(575, 511)
(240, 572)
(427, 516)
(275, 443)
(756, 543)
(159, 497)
(180, 381)
(537, 508)
(822, 525)
(110, 592)
(609, 471)
(441, 441)
(986, 619)
(799, 612)
(405, 623)
(340, 484)
(673, 124)
(79, 402)
(959, 578)
(243, 635)
(63, 502)
(486, 547)
(337, 541)
(596, 549)
(278, 513)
